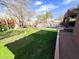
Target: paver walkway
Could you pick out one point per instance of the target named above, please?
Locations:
(67, 47)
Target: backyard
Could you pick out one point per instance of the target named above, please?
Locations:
(28, 43)
(39, 29)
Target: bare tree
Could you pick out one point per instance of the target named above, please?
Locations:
(45, 17)
(18, 8)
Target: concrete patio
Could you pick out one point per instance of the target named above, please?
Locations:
(68, 49)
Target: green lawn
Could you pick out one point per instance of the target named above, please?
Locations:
(5, 53)
(10, 33)
(32, 44)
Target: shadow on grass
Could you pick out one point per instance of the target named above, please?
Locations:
(10, 33)
(39, 45)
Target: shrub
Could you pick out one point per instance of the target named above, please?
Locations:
(11, 23)
(3, 27)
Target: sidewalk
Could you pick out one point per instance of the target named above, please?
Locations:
(67, 47)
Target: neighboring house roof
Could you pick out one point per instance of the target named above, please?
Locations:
(72, 12)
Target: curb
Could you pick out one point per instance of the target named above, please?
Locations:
(57, 47)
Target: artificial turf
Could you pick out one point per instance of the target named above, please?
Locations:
(35, 44)
(5, 53)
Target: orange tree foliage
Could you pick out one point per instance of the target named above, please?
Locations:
(11, 23)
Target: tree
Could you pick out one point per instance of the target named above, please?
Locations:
(11, 23)
(18, 8)
(44, 17)
(48, 15)
(3, 24)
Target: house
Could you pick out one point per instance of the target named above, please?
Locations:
(27, 23)
(74, 13)
(56, 23)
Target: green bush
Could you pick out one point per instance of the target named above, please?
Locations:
(3, 27)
